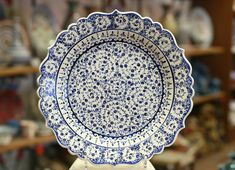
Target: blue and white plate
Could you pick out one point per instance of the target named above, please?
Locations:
(115, 88)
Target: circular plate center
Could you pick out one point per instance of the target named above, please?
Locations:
(115, 89)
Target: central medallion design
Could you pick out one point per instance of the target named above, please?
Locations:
(115, 89)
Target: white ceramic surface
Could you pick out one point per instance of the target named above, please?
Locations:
(115, 88)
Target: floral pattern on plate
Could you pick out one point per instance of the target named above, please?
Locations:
(115, 88)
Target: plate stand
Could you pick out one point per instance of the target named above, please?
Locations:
(86, 164)
(145, 164)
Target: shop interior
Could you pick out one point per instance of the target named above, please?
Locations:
(205, 29)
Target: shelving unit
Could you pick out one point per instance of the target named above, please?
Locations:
(192, 52)
(233, 52)
(197, 100)
(19, 143)
(220, 66)
(17, 70)
(232, 86)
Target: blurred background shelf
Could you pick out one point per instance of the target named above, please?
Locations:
(19, 143)
(208, 98)
(197, 51)
(17, 70)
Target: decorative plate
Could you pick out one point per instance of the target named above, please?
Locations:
(6, 40)
(115, 88)
(42, 29)
(201, 27)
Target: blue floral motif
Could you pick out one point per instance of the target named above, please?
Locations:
(76, 145)
(84, 27)
(59, 50)
(111, 155)
(115, 88)
(121, 21)
(152, 32)
(93, 152)
(54, 118)
(70, 37)
(102, 22)
(136, 24)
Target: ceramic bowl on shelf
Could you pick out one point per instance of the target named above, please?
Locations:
(28, 128)
(115, 88)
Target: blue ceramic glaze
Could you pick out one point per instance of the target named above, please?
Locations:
(115, 88)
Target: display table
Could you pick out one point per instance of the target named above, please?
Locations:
(80, 165)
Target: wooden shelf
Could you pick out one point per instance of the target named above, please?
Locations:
(232, 85)
(24, 142)
(208, 98)
(191, 51)
(17, 70)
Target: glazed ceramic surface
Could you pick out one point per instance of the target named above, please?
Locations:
(42, 29)
(201, 27)
(7, 39)
(115, 88)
